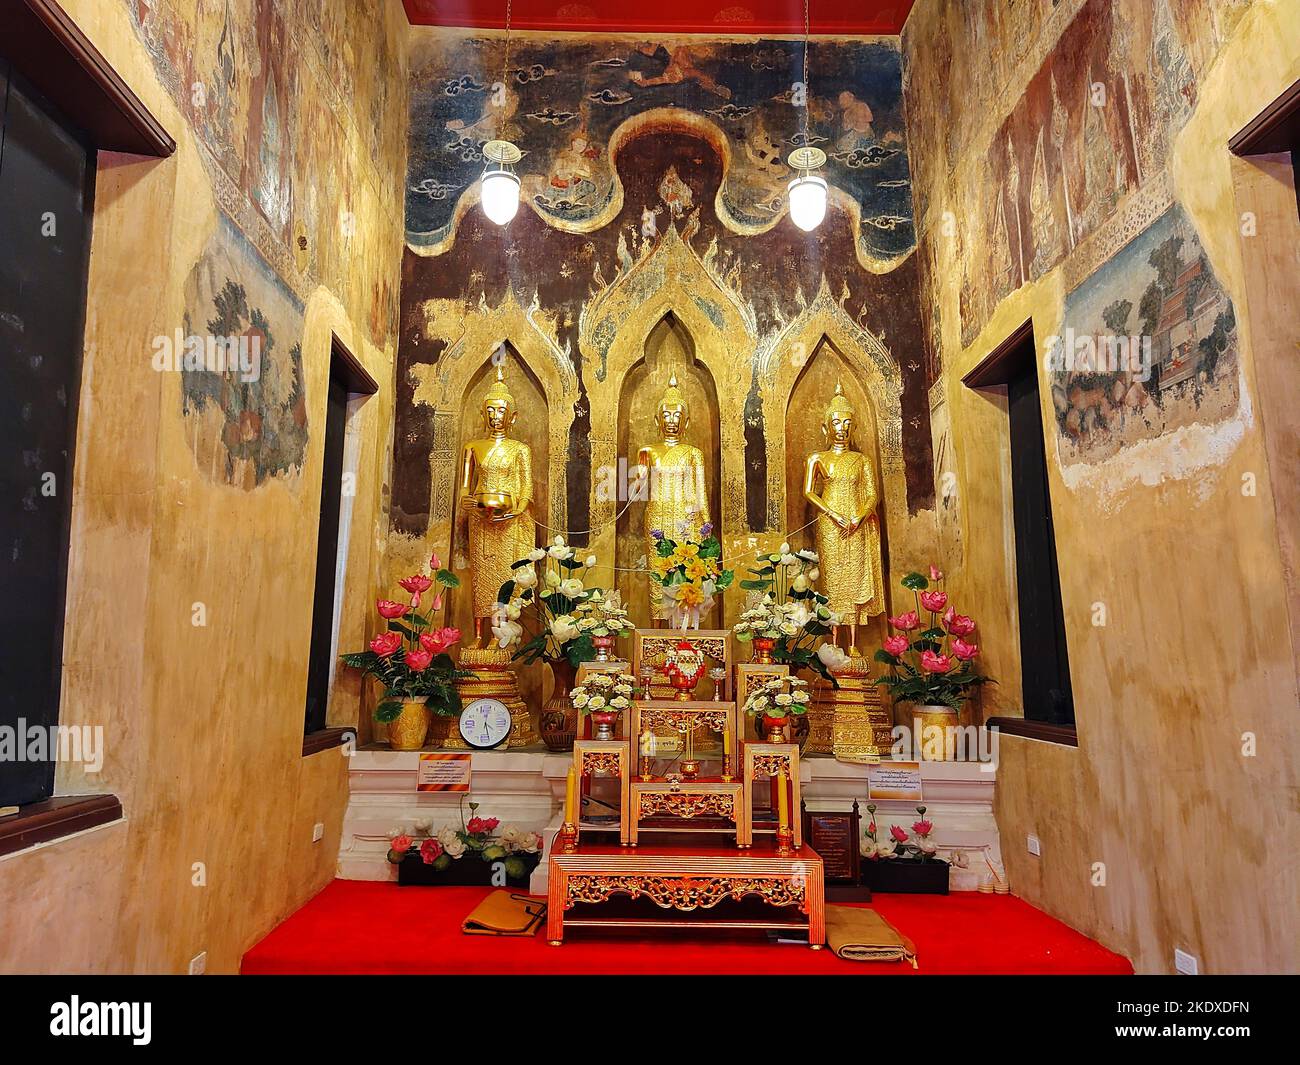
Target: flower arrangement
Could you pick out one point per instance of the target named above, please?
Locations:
(778, 698)
(790, 611)
(477, 836)
(603, 693)
(604, 616)
(548, 585)
(410, 657)
(920, 846)
(936, 666)
(689, 574)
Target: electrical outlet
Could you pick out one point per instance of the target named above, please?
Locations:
(199, 963)
(1035, 848)
(1185, 963)
(317, 832)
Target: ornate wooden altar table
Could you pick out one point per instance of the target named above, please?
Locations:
(686, 800)
(686, 887)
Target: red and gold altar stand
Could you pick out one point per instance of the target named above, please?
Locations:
(675, 885)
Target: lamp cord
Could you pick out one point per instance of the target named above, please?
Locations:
(807, 91)
(505, 77)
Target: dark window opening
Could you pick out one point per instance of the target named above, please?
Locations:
(47, 176)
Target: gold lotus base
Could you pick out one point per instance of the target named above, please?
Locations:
(493, 679)
(861, 728)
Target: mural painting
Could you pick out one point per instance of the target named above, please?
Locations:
(1148, 344)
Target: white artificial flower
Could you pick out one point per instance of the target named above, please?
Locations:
(800, 695)
(591, 561)
(526, 577)
(558, 551)
(579, 700)
(784, 700)
(868, 847)
(423, 824)
(800, 583)
(572, 588)
(597, 702)
(832, 657)
(453, 847)
(537, 554)
(553, 579)
(619, 702)
(807, 555)
(513, 610)
(784, 548)
(506, 633)
(927, 845)
(800, 615)
(788, 559)
(510, 834)
(814, 574)
(564, 628)
(886, 848)
(789, 628)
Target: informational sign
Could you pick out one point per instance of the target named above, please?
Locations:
(441, 771)
(894, 780)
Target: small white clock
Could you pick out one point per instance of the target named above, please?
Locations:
(485, 723)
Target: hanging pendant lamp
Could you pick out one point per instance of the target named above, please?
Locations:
(806, 194)
(499, 186)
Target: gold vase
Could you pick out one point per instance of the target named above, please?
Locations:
(407, 731)
(936, 739)
(763, 648)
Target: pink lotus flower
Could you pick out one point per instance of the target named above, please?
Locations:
(437, 602)
(400, 844)
(963, 650)
(386, 643)
(415, 600)
(907, 622)
(958, 624)
(936, 574)
(482, 824)
(435, 563)
(490, 824)
(418, 660)
(896, 645)
(933, 663)
(389, 609)
(871, 830)
(899, 836)
(439, 640)
(417, 584)
(923, 827)
(430, 850)
(934, 601)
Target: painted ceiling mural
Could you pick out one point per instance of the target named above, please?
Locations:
(569, 105)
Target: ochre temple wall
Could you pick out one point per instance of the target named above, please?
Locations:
(1038, 198)
(285, 186)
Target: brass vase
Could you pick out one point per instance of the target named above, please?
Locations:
(406, 732)
(940, 745)
(763, 647)
(559, 720)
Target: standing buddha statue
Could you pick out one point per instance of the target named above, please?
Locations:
(678, 502)
(840, 484)
(496, 489)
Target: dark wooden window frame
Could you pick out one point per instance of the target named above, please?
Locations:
(358, 382)
(993, 370)
(1274, 131)
(44, 46)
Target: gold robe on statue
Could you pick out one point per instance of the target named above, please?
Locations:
(505, 468)
(850, 564)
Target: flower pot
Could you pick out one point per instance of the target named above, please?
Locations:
(407, 731)
(763, 647)
(469, 869)
(906, 876)
(775, 728)
(604, 722)
(936, 738)
(559, 721)
(603, 646)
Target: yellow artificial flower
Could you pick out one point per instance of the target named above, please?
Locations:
(696, 570)
(689, 595)
(686, 551)
(661, 564)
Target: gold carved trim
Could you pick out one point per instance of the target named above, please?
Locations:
(686, 892)
(687, 804)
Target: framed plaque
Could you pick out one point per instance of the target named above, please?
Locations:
(834, 836)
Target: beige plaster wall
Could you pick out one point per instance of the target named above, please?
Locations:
(203, 724)
(1173, 824)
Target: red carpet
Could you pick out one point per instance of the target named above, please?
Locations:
(362, 927)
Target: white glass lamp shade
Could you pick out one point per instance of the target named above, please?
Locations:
(807, 195)
(500, 195)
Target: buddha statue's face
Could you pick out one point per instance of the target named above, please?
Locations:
(497, 416)
(839, 428)
(672, 420)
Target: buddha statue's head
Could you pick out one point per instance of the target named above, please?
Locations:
(837, 422)
(672, 416)
(498, 407)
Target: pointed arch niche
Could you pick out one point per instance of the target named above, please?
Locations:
(669, 349)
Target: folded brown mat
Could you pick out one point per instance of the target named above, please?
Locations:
(503, 913)
(856, 934)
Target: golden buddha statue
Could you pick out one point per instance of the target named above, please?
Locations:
(496, 490)
(840, 483)
(678, 501)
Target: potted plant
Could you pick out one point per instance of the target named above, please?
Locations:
(689, 574)
(409, 658)
(776, 702)
(542, 616)
(789, 617)
(903, 863)
(933, 666)
(604, 696)
(480, 851)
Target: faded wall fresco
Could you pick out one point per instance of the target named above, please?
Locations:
(1148, 344)
(250, 414)
(567, 105)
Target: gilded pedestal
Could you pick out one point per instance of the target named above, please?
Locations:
(493, 679)
(860, 726)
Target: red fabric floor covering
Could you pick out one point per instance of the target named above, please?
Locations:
(363, 927)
